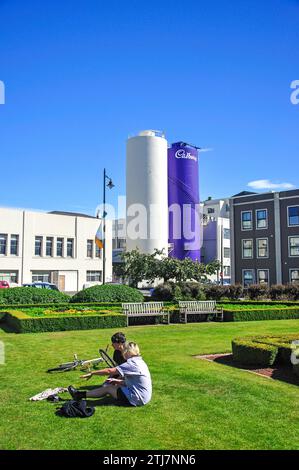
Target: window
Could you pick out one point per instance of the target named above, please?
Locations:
(261, 218)
(3, 244)
(59, 247)
(89, 248)
(293, 246)
(121, 243)
(226, 252)
(226, 233)
(9, 276)
(262, 248)
(248, 277)
(247, 248)
(93, 276)
(293, 216)
(210, 210)
(246, 218)
(294, 276)
(49, 246)
(226, 270)
(38, 246)
(70, 248)
(98, 252)
(263, 276)
(14, 245)
(40, 276)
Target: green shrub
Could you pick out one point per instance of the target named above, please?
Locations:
(216, 292)
(263, 350)
(19, 322)
(277, 292)
(255, 314)
(108, 293)
(175, 291)
(248, 352)
(257, 291)
(31, 295)
(235, 291)
(292, 291)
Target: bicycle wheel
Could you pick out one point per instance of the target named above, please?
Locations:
(64, 367)
(109, 361)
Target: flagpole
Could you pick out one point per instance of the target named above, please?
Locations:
(104, 227)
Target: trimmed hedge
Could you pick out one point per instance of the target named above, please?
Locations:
(19, 322)
(108, 293)
(248, 352)
(263, 350)
(31, 295)
(289, 313)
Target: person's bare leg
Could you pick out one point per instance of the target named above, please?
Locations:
(103, 391)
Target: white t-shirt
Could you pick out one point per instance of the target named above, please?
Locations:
(138, 383)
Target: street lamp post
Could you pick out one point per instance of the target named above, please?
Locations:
(110, 185)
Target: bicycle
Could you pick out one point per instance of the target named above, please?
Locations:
(85, 365)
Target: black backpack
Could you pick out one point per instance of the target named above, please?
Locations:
(75, 409)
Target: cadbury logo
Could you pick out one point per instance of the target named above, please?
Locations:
(181, 153)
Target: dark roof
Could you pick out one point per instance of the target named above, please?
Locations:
(73, 214)
(244, 193)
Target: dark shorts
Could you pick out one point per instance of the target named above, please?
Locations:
(121, 398)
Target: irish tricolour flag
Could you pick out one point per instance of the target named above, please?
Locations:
(100, 237)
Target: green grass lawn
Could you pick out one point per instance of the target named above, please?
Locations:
(195, 405)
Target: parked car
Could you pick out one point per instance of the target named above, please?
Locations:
(42, 285)
(4, 285)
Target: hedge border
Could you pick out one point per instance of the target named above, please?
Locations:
(263, 350)
(289, 313)
(19, 322)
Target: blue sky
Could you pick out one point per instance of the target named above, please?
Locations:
(80, 76)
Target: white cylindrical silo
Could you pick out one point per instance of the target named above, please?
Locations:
(147, 195)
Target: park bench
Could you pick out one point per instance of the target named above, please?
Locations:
(144, 309)
(199, 307)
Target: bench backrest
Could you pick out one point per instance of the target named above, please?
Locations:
(142, 308)
(197, 305)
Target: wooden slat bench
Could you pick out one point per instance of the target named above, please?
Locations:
(144, 309)
(199, 307)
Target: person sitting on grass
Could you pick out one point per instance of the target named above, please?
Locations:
(118, 341)
(133, 388)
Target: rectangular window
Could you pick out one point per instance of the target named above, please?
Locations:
(263, 276)
(246, 220)
(247, 248)
(261, 218)
(248, 277)
(38, 246)
(40, 276)
(93, 276)
(226, 270)
(293, 216)
(262, 248)
(89, 249)
(70, 248)
(226, 233)
(210, 210)
(226, 252)
(14, 245)
(294, 276)
(49, 246)
(293, 246)
(59, 247)
(3, 244)
(9, 276)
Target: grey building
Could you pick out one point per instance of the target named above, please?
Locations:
(265, 237)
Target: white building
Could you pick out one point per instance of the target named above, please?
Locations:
(216, 236)
(57, 247)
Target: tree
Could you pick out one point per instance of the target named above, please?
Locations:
(137, 267)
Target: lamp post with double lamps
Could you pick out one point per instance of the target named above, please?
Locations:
(109, 185)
